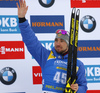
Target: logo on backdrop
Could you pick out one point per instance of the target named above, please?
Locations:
(46, 3)
(12, 50)
(37, 75)
(88, 23)
(92, 73)
(8, 75)
(88, 48)
(47, 24)
(9, 24)
(8, 3)
(85, 3)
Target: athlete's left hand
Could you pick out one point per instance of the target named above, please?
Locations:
(74, 87)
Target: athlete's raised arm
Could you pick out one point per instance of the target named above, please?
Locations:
(22, 8)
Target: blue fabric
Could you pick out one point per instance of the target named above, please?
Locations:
(53, 64)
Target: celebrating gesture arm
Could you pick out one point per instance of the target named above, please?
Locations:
(22, 9)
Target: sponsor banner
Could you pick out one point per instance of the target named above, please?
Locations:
(93, 91)
(12, 50)
(85, 3)
(8, 3)
(92, 73)
(9, 24)
(47, 24)
(37, 75)
(88, 48)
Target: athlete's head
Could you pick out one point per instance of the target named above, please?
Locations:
(61, 41)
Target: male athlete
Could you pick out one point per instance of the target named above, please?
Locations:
(53, 63)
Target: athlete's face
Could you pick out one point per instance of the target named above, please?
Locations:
(60, 46)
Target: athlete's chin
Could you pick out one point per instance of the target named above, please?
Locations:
(58, 51)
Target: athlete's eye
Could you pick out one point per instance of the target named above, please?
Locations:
(62, 40)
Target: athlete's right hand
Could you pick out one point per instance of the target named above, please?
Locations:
(22, 9)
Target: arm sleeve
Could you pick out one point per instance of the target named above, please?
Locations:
(81, 80)
(21, 20)
(34, 46)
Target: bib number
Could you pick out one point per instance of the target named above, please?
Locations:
(60, 77)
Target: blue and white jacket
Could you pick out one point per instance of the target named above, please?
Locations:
(53, 64)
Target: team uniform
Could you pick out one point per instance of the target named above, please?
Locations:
(53, 64)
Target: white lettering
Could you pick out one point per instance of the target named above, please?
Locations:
(13, 71)
(89, 71)
(14, 49)
(97, 71)
(3, 49)
(83, 1)
(48, 45)
(97, 79)
(13, 22)
(4, 30)
(8, 22)
(7, 69)
(7, 49)
(5, 22)
(12, 30)
(38, 74)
